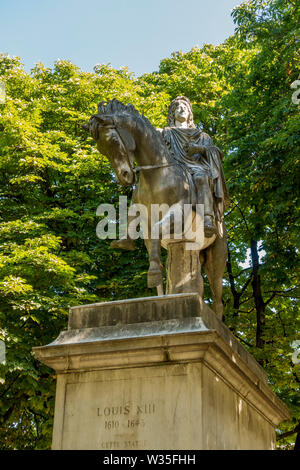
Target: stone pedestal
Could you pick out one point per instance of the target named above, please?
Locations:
(157, 373)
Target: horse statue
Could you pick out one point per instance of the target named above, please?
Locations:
(126, 137)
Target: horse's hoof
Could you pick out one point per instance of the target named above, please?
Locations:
(209, 231)
(154, 278)
(209, 226)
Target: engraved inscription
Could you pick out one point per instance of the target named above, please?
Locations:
(133, 423)
(110, 445)
(123, 444)
(125, 413)
(128, 408)
(128, 417)
(111, 424)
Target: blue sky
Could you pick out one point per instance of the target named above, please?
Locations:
(133, 33)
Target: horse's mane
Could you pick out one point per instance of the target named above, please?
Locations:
(116, 107)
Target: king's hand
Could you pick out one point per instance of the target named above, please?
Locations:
(192, 149)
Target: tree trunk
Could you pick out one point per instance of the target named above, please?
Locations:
(236, 295)
(297, 442)
(257, 294)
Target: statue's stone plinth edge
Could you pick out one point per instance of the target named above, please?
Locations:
(183, 330)
(144, 309)
(147, 317)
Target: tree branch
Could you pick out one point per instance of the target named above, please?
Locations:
(246, 285)
(289, 433)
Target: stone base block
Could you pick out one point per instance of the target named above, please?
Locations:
(173, 378)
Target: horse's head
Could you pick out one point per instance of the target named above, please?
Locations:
(116, 143)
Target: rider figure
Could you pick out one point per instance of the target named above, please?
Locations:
(195, 149)
(204, 161)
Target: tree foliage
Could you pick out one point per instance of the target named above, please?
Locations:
(52, 180)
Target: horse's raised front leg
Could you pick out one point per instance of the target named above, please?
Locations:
(163, 227)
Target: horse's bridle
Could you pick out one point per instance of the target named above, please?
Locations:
(153, 167)
(137, 169)
(129, 155)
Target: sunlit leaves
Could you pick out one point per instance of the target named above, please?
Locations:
(52, 179)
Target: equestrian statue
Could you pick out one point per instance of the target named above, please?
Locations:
(175, 167)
